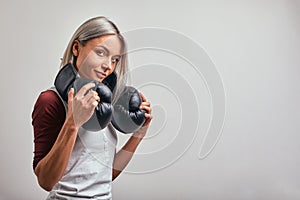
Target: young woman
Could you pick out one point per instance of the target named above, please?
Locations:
(69, 161)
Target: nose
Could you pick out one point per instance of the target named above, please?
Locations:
(106, 64)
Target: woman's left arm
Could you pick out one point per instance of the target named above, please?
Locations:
(123, 156)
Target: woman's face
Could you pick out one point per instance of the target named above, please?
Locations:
(98, 58)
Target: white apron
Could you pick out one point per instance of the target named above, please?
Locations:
(89, 171)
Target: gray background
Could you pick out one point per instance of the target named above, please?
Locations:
(254, 45)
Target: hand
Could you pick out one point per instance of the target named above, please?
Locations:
(145, 106)
(81, 106)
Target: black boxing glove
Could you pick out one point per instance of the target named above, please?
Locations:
(64, 80)
(68, 77)
(103, 112)
(127, 115)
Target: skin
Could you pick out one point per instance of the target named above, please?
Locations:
(94, 60)
(98, 58)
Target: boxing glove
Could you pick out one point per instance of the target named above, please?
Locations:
(68, 77)
(127, 116)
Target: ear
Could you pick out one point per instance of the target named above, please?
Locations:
(75, 48)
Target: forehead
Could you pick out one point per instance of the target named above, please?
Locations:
(110, 42)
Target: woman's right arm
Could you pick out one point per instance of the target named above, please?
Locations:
(51, 168)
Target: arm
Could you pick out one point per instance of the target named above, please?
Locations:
(123, 157)
(51, 168)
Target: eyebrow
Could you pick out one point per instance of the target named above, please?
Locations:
(106, 49)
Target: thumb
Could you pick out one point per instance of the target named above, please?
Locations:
(70, 98)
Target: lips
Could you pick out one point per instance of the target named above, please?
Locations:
(100, 75)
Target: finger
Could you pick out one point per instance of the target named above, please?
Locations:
(82, 92)
(91, 96)
(143, 97)
(95, 104)
(70, 96)
(145, 104)
(93, 101)
(70, 100)
(147, 115)
(148, 120)
(147, 108)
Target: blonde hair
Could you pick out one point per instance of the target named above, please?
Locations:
(93, 28)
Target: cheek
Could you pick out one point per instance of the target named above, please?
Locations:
(93, 60)
(89, 62)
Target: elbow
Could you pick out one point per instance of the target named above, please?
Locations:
(115, 174)
(45, 186)
(43, 182)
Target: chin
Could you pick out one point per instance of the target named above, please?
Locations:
(99, 80)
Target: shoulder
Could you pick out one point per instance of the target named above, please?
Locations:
(48, 103)
(48, 97)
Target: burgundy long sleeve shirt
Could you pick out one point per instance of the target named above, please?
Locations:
(48, 117)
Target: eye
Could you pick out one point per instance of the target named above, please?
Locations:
(99, 52)
(115, 60)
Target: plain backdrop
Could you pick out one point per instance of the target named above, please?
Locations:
(253, 44)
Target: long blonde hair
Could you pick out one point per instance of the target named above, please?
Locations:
(93, 28)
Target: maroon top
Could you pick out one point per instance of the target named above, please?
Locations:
(48, 117)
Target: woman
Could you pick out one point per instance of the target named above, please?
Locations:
(69, 161)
